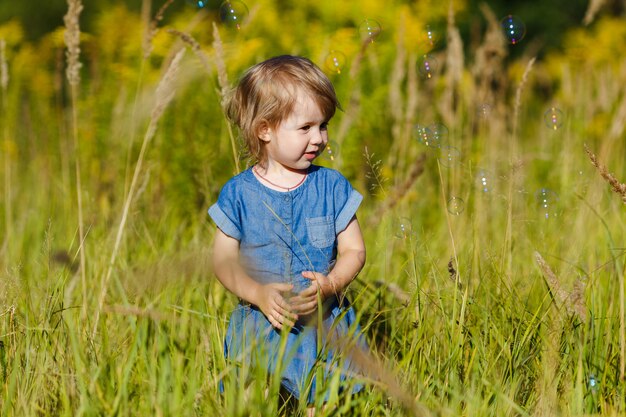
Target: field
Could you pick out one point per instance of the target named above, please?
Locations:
(493, 209)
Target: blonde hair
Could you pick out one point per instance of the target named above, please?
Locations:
(267, 92)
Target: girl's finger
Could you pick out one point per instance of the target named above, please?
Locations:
(274, 323)
(309, 274)
(308, 292)
(286, 313)
(307, 308)
(282, 306)
(297, 302)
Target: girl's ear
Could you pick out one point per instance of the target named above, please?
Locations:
(263, 131)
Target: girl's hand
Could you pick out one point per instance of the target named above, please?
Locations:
(305, 302)
(272, 303)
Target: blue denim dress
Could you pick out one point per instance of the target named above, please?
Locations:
(282, 234)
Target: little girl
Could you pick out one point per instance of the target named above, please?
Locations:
(288, 241)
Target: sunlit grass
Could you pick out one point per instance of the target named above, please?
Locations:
(460, 316)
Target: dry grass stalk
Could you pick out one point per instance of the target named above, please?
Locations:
(488, 71)
(195, 47)
(373, 368)
(137, 311)
(154, 28)
(222, 79)
(398, 192)
(164, 95)
(4, 68)
(454, 69)
(72, 40)
(518, 94)
(619, 120)
(573, 301)
(146, 44)
(4, 82)
(592, 9)
(398, 73)
(616, 185)
(222, 75)
(172, 270)
(395, 290)
(396, 103)
(452, 270)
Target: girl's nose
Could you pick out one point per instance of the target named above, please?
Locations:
(318, 137)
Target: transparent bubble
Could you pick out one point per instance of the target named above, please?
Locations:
(484, 111)
(331, 151)
(513, 28)
(369, 30)
(593, 383)
(430, 37)
(233, 13)
(484, 181)
(456, 205)
(425, 136)
(553, 118)
(449, 156)
(335, 62)
(440, 133)
(547, 202)
(200, 4)
(403, 228)
(427, 66)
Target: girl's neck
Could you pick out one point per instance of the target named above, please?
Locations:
(279, 178)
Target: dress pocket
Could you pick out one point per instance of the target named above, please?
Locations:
(321, 231)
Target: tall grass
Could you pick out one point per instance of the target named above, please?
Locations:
(499, 307)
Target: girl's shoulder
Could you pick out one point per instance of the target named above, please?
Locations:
(238, 181)
(329, 178)
(237, 187)
(327, 174)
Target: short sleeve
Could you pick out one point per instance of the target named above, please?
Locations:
(347, 201)
(225, 212)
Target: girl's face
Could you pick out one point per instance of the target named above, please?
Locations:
(297, 140)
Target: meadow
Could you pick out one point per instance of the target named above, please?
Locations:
(493, 209)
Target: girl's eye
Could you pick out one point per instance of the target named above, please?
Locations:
(324, 126)
(305, 128)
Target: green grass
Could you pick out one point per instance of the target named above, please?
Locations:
(460, 318)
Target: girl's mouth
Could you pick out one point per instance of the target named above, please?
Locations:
(310, 155)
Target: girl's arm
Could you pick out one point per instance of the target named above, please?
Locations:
(268, 297)
(350, 261)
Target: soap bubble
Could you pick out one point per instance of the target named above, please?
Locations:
(369, 30)
(335, 62)
(547, 201)
(456, 205)
(427, 66)
(553, 117)
(402, 228)
(430, 37)
(200, 4)
(425, 136)
(331, 151)
(449, 156)
(233, 13)
(484, 181)
(422, 134)
(513, 28)
(440, 132)
(593, 383)
(484, 111)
